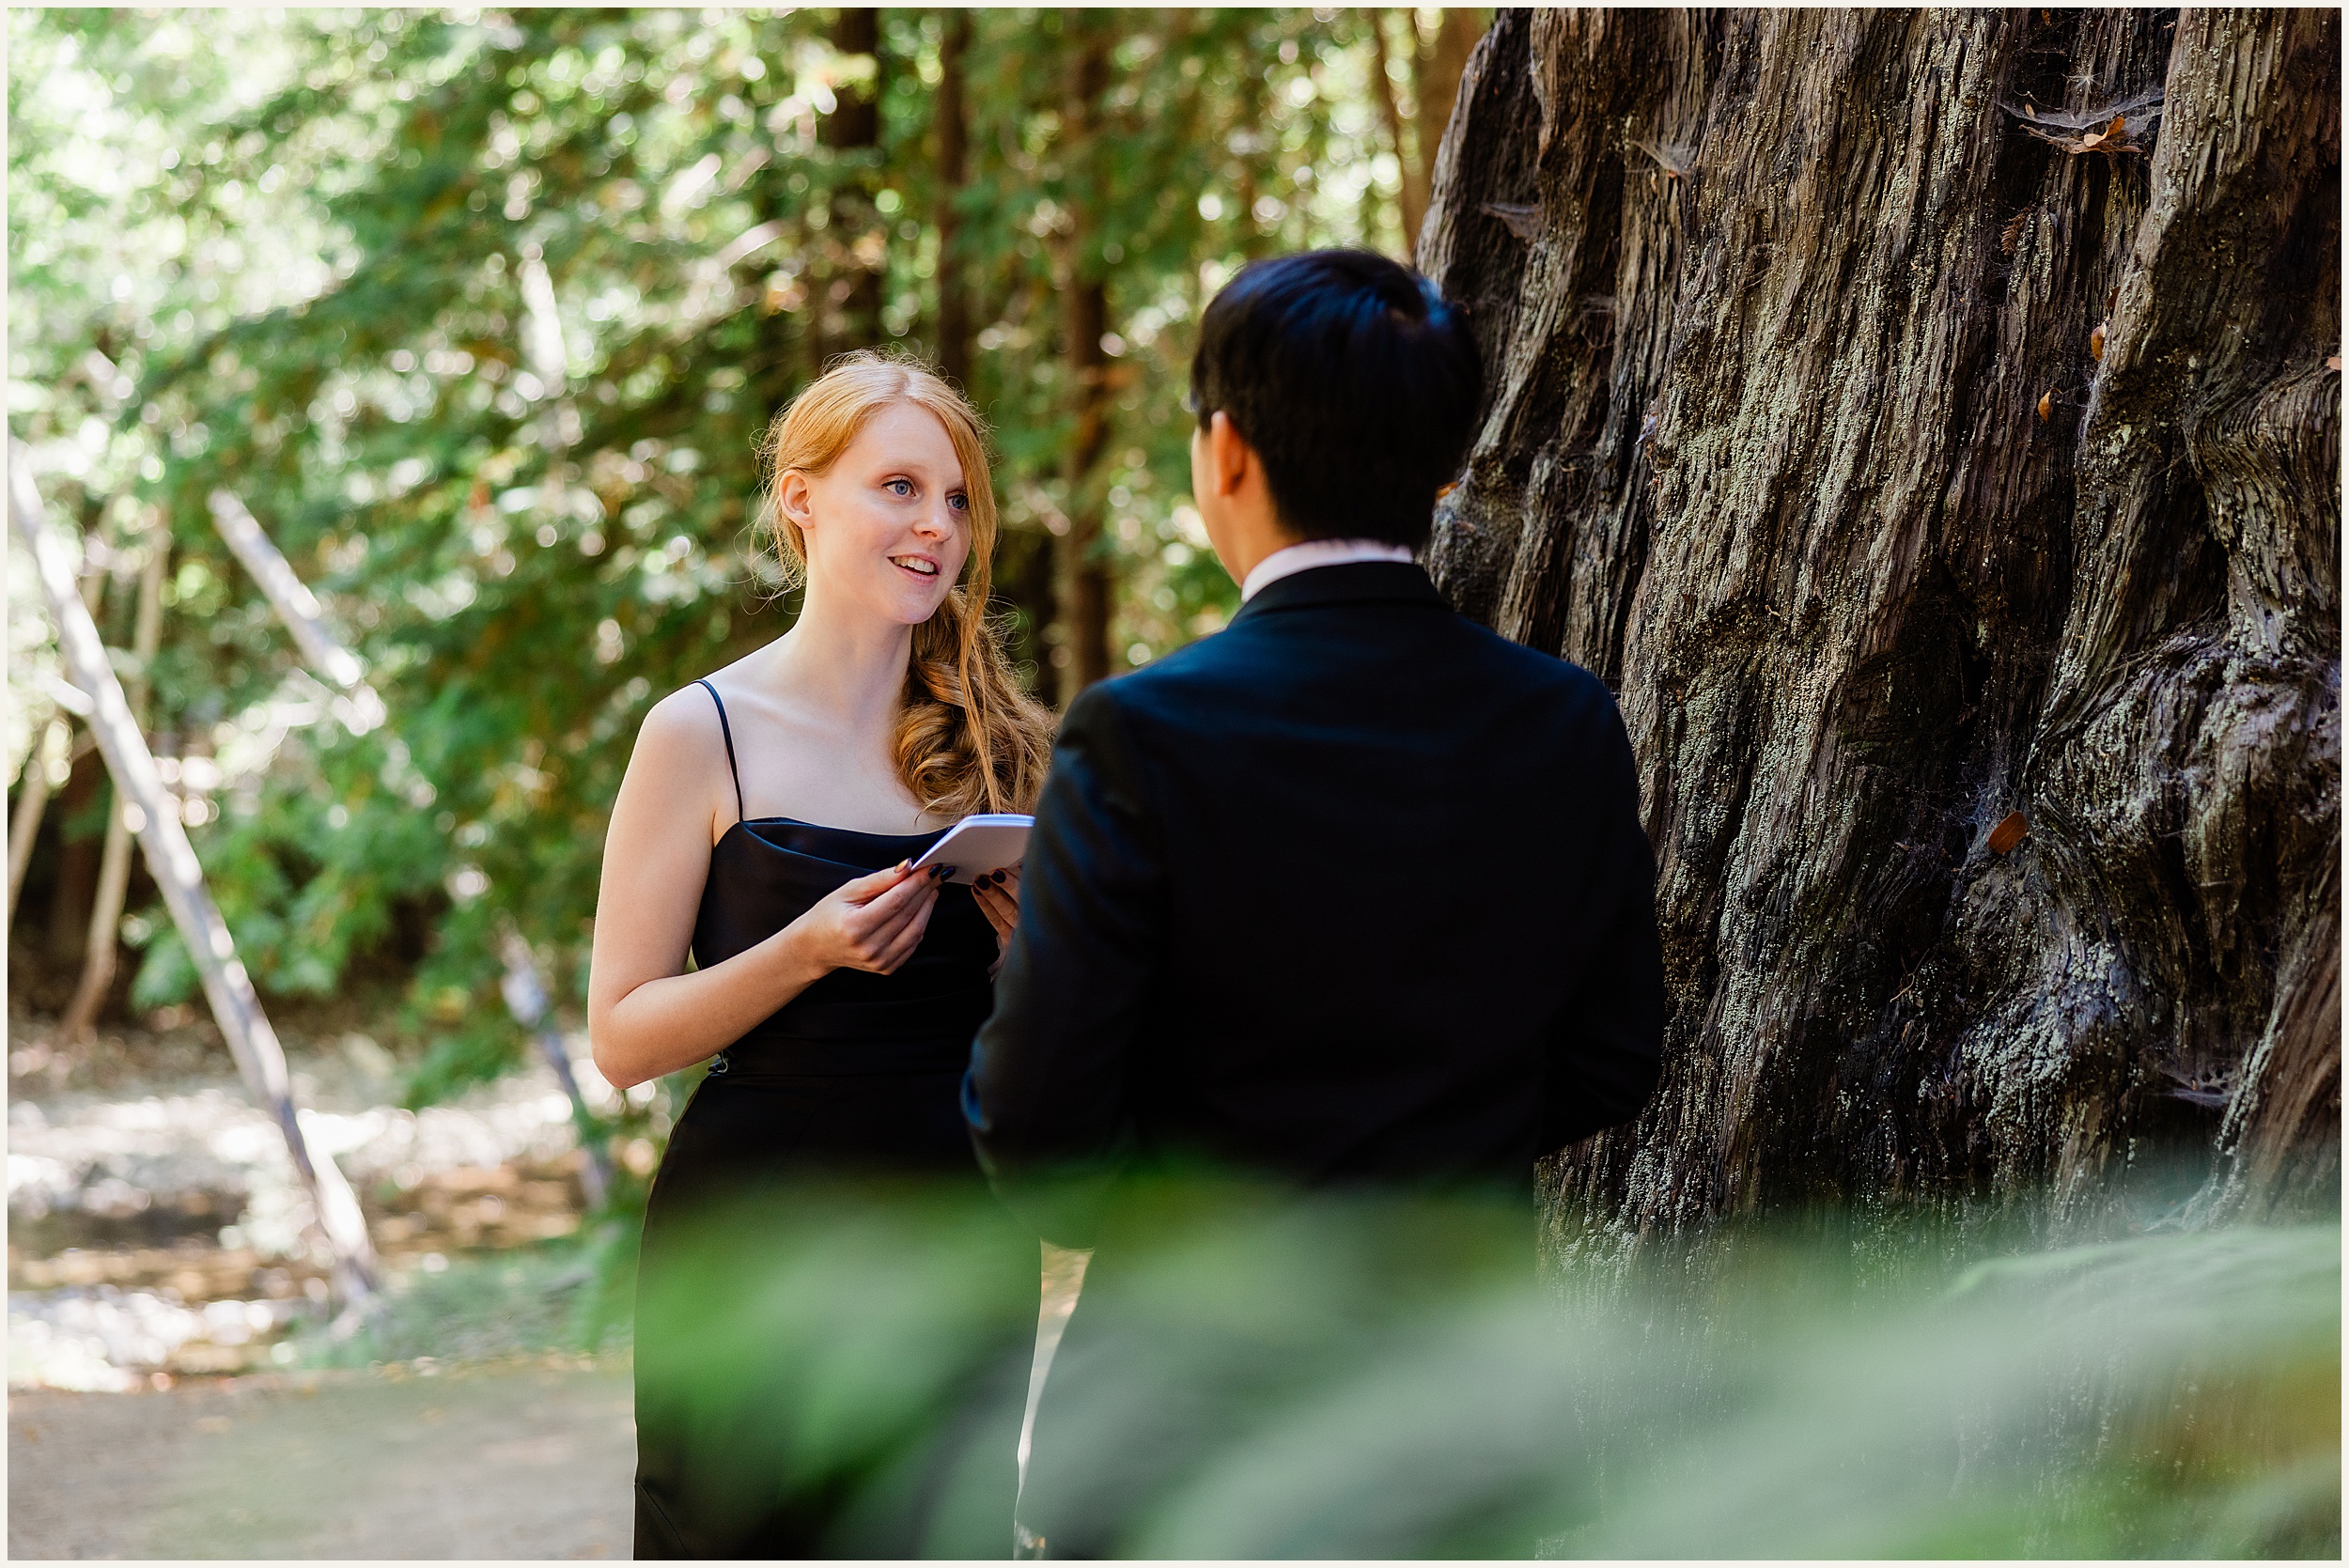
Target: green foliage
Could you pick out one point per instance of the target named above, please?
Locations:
(1372, 1377)
(309, 247)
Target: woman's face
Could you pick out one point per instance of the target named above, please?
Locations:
(888, 526)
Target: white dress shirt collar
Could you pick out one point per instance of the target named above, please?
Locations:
(1316, 553)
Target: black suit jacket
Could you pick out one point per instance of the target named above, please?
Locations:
(1352, 890)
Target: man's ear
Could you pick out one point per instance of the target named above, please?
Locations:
(1229, 456)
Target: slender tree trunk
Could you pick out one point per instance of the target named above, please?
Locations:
(1435, 71)
(1414, 180)
(75, 892)
(1249, 146)
(1084, 319)
(32, 801)
(78, 859)
(852, 318)
(1029, 570)
(99, 952)
(1930, 422)
(953, 127)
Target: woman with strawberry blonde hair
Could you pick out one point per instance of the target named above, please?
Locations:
(766, 827)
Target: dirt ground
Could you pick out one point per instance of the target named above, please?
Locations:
(513, 1460)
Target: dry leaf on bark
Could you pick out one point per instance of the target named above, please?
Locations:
(2009, 833)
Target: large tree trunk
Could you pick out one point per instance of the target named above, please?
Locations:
(1922, 418)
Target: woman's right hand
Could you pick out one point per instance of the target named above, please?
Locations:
(873, 923)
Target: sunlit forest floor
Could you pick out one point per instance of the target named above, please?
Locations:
(154, 1219)
(522, 1458)
(177, 1386)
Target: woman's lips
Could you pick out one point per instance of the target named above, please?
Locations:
(920, 565)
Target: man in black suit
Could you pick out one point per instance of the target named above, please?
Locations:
(1354, 893)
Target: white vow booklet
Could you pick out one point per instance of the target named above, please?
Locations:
(978, 845)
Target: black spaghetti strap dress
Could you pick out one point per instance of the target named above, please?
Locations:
(857, 1078)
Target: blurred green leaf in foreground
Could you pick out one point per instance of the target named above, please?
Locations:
(1261, 1376)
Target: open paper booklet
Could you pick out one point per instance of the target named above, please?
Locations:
(977, 845)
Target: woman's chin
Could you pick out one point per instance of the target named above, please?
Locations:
(902, 598)
(914, 609)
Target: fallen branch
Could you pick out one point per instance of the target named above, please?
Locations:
(294, 603)
(524, 991)
(259, 1058)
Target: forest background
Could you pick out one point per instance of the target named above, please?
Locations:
(482, 313)
(1991, 750)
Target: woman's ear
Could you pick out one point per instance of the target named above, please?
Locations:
(792, 497)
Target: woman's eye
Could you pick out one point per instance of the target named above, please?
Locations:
(959, 503)
(901, 487)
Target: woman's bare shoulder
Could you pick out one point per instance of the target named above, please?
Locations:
(682, 729)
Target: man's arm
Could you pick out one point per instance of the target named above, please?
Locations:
(1604, 1049)
(1046, 1093)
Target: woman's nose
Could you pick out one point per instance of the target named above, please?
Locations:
(937, 523)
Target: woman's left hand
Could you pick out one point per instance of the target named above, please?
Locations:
(997, 893)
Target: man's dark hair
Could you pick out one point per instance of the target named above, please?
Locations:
(1354, 380)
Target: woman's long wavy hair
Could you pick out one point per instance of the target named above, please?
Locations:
(967, 738)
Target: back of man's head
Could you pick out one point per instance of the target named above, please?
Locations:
(1354, 380)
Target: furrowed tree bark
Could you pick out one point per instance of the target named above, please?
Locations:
(1929, 423)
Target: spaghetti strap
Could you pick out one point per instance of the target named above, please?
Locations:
(728, 729)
